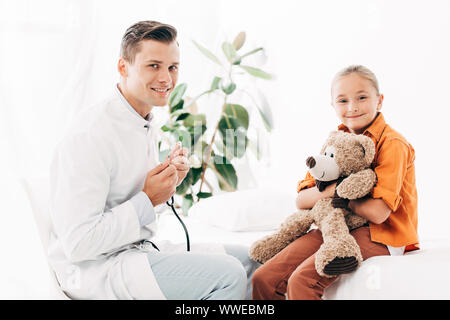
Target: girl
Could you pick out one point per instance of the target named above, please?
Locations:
(391, 210)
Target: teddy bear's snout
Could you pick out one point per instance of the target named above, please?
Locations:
(310, 162)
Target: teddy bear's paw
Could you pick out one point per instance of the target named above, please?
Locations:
(264, 249)
(341, 265)
(354, 221)
(339, 255)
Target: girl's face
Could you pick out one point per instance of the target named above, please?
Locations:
(355, 101)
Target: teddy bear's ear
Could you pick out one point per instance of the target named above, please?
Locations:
(332, 137)
(369, 148)
(330, 140)
(333, 134)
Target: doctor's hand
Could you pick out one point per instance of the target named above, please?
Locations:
(178, 157)
(161, 183)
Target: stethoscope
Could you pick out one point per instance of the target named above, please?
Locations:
(170, 204)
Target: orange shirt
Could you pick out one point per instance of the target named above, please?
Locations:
(396, 185)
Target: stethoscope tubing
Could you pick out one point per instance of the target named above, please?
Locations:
(170, 204)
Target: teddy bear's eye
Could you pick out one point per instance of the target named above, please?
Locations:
(325, 153)
(332, 155)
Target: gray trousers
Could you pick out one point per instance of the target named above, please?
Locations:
(204, 276)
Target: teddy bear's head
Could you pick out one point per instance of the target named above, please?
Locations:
(342, 154)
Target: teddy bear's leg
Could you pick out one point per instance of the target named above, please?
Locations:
(293, 227)
(354, 221)
(339, 252)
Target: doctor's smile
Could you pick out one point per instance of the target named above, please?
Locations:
(164, 92)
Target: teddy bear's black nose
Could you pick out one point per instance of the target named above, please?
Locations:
(310, 162)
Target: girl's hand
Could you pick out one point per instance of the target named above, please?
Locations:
(329, 191)
(307, 198)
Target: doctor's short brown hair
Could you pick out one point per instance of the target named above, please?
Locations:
(145, 30)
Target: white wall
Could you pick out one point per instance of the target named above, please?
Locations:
(59, 56)
(404, 42)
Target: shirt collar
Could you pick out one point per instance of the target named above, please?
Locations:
(144, 121)
(375, 129)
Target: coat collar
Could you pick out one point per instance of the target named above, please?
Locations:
(135, 117)
(375, 129)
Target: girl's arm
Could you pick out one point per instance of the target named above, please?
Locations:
(307, 198)
(374, 210)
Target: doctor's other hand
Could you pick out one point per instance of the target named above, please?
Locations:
(161, 183)
(179, 158)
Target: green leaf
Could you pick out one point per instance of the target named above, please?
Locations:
(228, 123)
(196, 132)
(239, 112)
(204, 195)
(229, 89)
(235, 143)
(207, 53)
(215, 84)
(234, 135)
(237, 61)
(240, 146)
(257, 72)
(188, 201)
(229, 51)
(267, 122)
(222, 148)
(177, 107)
(165, 128)
(194, 120)
(251, 52)
(183, 116)
(226, 171)
(177, 94)
(239, 41)
(196, 174)
(265, 112)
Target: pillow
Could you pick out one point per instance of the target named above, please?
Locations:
(246, 210)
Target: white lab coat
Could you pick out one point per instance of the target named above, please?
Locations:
(97, 168)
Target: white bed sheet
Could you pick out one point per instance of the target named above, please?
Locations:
(169, 228)
(416, 275)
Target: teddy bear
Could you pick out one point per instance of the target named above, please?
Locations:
(346, 159)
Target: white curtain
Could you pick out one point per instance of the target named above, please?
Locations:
(59, 56)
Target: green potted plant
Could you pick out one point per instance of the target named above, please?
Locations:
(228, 140)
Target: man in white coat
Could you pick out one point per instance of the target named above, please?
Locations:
(106, 181)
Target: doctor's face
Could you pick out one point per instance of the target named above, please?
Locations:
(150, 79)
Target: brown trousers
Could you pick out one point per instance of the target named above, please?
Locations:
(293, 270)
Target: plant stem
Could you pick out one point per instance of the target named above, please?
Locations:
(205, 164)
(208, 156)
